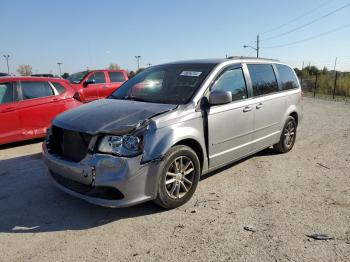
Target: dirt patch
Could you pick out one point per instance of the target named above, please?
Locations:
(262, 208)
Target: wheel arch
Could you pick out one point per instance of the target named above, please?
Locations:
(294, 114)
(195, 146)
(292, 110)
(160, 141)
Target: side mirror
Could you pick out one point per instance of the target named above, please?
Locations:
(219, 97)
(89, 82)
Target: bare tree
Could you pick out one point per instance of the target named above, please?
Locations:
(24, 70)
(114, 67)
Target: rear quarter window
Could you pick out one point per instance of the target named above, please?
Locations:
(31, 90)
(60, 88)
(287, 77)
(263, 79)
(116, 76)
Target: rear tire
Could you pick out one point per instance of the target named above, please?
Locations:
(288, 136)
(179, 177)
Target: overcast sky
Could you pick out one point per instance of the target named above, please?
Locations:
(93, 34)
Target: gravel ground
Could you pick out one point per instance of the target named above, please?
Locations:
(282, 197)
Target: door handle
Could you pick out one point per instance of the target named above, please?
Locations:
(247, 109)
(260, 105)
(55, 99)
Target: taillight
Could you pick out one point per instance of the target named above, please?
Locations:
(77, 96)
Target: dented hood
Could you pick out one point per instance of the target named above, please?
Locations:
(109, 116)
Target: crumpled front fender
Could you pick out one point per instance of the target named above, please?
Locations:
(158, 141)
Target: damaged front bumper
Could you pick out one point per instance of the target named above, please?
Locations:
(104, 179)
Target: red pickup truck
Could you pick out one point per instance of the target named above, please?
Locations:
(97, 84)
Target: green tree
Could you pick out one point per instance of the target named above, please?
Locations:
(65, 75)
(324, 70)
(298, 72)
(131, 74)
(140, 70)
(312, 70)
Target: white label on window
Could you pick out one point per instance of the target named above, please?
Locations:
(190, 73)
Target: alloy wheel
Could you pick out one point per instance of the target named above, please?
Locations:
(179, 177)
(289, 134)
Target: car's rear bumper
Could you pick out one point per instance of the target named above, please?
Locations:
(99, 173)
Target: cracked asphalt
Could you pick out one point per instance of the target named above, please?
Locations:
(259, 209)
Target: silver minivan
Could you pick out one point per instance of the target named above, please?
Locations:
(153, 137)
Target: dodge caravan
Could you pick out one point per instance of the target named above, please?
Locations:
(154, 136)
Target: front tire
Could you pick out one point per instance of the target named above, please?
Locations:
(288, 136)
(179, 177)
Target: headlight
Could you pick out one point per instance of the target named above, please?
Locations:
(127, 145)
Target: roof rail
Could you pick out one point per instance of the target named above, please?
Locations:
(251, 57)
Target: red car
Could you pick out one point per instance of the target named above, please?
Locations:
(28, 104)
(97, 84)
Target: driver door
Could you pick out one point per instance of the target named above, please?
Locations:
(230, 126)
(97, 81)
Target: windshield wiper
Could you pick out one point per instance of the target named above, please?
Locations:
(118, 97)
(134, 98)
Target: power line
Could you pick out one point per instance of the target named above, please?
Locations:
(251, 52)
(309, 38)
(297, 18)
(308, 23)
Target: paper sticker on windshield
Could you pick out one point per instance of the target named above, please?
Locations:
(190, 73)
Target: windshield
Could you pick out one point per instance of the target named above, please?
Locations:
(76, 78)
(166, 84)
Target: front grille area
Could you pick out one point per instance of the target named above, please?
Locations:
(69, 144)
(108, 193)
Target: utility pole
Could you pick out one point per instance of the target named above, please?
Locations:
(335, 63)
(138, 61)
(7, 63)
(335, 76)
(59, 66)
(335, 83)
(257, 45)
(257, 48)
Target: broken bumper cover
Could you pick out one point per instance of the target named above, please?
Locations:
(104, 180)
